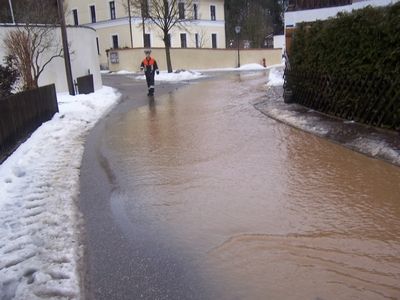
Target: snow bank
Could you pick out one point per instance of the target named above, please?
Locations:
(375, 147)
(367, 140)
(179, 75)
(122, 72)
(251, 67)
(39, 185)
(247, 67)
(184, 75)
(275, 77)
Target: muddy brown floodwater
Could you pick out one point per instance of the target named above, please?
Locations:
(258, 209)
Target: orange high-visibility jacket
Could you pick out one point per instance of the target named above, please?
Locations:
(149, 65)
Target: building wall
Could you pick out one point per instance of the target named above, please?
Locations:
(293, 17)
(84, 57)
(196, 59)
(279, 41)
(103, 10)
(105, 27)
(104, 35)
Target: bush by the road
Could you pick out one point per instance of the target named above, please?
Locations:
(360, 49)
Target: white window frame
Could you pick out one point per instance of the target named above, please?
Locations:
(216, 40)
(180, 40)
(112, 40)
(184, 10)
(197, 40)
(215, 11)
(90, 13)
(115, 9)
(151, 39)
(77, 16)
(197, 11)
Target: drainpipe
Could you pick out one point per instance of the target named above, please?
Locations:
(12, 11)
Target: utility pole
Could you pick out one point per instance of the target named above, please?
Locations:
(67, 59)
(12, 11)
(130, 21)
(237, 30)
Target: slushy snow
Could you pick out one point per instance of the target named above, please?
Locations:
(39, 185)
(186, 75)
(372, 145)
(179, 75)
(275, 77)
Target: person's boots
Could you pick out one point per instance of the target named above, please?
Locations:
(151, 92)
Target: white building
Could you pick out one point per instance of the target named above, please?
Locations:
(83, 57)
(110, 19)
(310, 11)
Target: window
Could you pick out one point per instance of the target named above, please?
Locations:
(212, 12)
(115, 41)
(112, 10)
(147, 42)
(196, 38)
(195, 16)
(181, 7)
(93, 13)
(75, 13)
(98, 47)
(214, 40)
(183, 40)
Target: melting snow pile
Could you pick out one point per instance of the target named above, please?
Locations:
(275, 77)
(39, 185)
(251, 67)
(178, 75)
(122, 72)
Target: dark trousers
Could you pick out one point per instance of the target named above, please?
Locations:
(150, 82)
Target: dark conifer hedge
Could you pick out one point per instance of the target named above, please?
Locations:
(349, 66)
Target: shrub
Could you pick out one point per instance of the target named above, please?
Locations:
(364, 42)
(349, 66)
(8, 76)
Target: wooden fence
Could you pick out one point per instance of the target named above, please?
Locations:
(370, 99)
(22, 113)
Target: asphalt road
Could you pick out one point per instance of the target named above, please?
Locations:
(120, 265)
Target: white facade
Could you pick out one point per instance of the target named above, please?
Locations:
(279, 41)
(311, 15)
(111, 23)
(84, 58)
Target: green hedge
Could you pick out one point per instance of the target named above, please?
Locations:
(361, 48)
(360, 43)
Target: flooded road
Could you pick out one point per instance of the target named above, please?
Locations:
(222, 202)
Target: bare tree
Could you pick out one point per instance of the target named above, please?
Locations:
(138, 8)
(203, 38)
(33, 42)
(166, 14)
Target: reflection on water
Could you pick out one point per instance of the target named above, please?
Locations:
(264, 211)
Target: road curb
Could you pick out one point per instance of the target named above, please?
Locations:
(373, 142)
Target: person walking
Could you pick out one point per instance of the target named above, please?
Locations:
(149, 66)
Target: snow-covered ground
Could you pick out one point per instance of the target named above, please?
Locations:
(246, 67)
(185, 75)
(275, 77)
(39, 185)
(179, 75)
